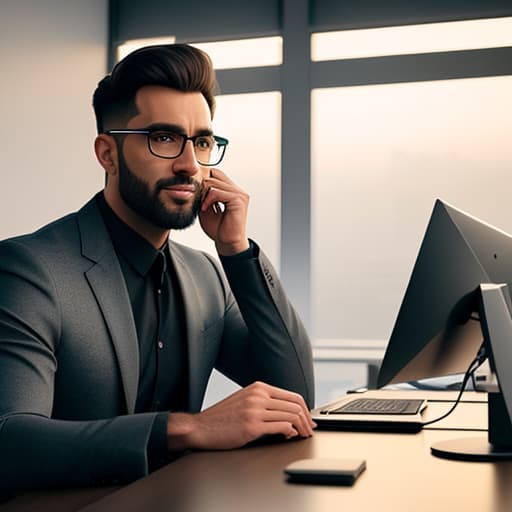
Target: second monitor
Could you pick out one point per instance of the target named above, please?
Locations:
(446, 315)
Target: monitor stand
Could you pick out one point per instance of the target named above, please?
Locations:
(496, 323)
(496, 446)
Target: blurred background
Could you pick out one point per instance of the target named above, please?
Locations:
(346, 119)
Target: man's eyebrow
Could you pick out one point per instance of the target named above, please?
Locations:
(204, 131)
(177, 129)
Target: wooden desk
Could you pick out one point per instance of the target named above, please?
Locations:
(401, 475)
(63, 500)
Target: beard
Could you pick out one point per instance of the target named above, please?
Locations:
(147, 202)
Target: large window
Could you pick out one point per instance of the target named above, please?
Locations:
(410, 39)
(245, 53)
(380, 156)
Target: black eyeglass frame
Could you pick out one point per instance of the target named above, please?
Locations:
(222, 142)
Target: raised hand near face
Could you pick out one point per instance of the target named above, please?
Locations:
(225, 224)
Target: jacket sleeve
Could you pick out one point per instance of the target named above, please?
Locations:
(264, 337)
(36, 449)
(40, 452)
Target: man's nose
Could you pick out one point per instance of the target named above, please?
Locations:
(187, 161)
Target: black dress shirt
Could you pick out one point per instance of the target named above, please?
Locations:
(158, 313)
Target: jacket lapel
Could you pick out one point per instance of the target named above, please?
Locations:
(194, 326)
(107, 283)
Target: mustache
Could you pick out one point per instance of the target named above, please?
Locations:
(180, 179)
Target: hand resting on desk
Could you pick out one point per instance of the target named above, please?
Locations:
(256, 410)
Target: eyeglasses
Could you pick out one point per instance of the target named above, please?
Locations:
(209, 149)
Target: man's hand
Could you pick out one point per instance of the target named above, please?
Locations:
(242, 417)
(226, 228)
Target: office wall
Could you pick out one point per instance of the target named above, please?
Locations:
(52, 54)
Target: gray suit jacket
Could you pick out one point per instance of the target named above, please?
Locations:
(69, 354)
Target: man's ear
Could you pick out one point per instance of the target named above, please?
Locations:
(105, 149)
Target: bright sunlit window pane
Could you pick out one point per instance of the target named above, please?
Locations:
(426, 38)
(245, 53)
(252, 123)
(134, 44)
(380, 156)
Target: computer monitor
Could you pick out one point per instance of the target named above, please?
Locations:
(452, 307)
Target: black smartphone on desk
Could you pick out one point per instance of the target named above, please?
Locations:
(325, 471)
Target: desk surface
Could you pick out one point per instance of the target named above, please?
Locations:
(401, 475)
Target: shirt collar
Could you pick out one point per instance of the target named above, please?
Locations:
(136, 250)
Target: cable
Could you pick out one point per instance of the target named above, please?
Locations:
(473, 381)
(477, 361)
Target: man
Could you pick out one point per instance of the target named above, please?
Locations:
(109, 331)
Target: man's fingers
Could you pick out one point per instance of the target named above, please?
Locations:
(248, 414)
(296, 420)
(282, 400)
(280, 427)
(220, 176)
(300, 417)
(283, 394)
(227, 197)
(291, 397)
(222, 184)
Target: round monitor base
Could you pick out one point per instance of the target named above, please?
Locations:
(476, 449)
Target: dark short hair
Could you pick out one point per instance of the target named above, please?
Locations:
(178, 66)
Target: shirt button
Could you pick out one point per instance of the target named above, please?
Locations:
(160, 344)
(159, 291)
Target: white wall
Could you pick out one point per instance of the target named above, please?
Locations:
(52, 54)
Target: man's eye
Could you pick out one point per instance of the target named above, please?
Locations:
(204, 142)
(164, 137)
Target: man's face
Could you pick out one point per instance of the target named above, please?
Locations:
(165, 192)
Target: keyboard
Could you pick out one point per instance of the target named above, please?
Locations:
(378, 406)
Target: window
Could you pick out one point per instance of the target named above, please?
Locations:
(245, 53)
(130, 46)
(380, 156)
(408, 39)
(240, 53)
